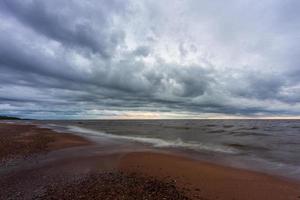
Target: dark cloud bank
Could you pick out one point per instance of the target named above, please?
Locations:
(112, 58)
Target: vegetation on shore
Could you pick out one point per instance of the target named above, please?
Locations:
(3, 117)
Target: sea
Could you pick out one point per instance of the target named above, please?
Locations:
(269, 146)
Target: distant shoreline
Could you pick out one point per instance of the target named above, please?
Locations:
(9, 118)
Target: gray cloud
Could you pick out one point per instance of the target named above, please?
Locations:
(69, 23)
(73, 59)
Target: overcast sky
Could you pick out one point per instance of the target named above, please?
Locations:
(149, 58)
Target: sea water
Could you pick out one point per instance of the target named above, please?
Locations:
(271, 146)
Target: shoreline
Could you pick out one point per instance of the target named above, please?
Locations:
(114, 132)
(186, 177)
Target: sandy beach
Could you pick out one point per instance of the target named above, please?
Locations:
(38, 163)
(204, 180)
(19, 141)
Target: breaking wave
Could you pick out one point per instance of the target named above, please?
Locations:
(156, 142)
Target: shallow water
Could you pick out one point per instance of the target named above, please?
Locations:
(271, 146)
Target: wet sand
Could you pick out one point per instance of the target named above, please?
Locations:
(204, 180)
(71, 167)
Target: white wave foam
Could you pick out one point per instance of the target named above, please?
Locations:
(156, 142)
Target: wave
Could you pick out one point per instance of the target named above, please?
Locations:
(247, 147)
(156, 142)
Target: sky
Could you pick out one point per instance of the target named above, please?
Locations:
(98, 59)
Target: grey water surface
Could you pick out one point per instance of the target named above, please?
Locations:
(271, 146)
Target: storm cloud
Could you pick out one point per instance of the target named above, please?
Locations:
(114, 58)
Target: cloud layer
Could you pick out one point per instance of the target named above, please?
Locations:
(114, 58)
